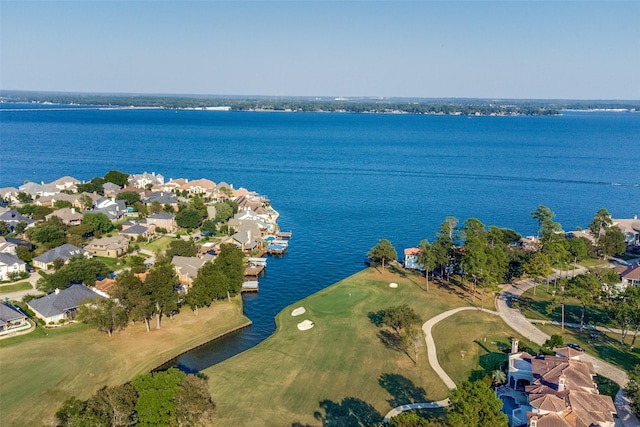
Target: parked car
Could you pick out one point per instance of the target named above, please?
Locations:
(575, 347)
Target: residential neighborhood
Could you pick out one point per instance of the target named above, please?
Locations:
(48, 229)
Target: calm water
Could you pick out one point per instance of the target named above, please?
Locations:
(343, 181)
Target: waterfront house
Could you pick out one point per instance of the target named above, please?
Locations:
(69, 216)
(64, 252)
(9, 194)
(12, 319)
(546, 391)
(203, 186)
(143, 179)
(631, 230)
(12, 217)
(10, 263)
(34, 189)
(111, 247)
(65, 183)
(62, 304)
(163, 220)
(411, 259)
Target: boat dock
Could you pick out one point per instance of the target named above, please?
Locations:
(284, 234)
(253, 271)
(250, 286)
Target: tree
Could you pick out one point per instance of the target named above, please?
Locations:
(400, 317)
(24, 253)
(408, 419)
(548, 230)
(24, 197)
(78, 269)
(474, 258)
(155, 207)
(20, 227)
(129, 197)
(85, 201)
(193, 404)
(537, 267)
(156, 396)
(475, 404)
(106, 315)
(586, 288)
(5, 229)
(542, 215)
(182, 248)
(189, 218)
(59, 204)
(117, 177)
(230, 261)
(612, 242)
(383, 251)
(600, 222)
(224, 211)
(93, 186)
(577, 248)
(98, 222)
(116, 404)
(632, 389)
(50, 234)
(159, 285)
(426, 258)
(554, 342)
(134, 297)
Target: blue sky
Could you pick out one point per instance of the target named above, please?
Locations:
(576, 50)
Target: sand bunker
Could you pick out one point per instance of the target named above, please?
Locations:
(305, 325)
(298, 311)
(393, 285)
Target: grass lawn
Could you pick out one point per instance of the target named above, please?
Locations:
(535, 307)
(15, 287)
(159, 244)
(338, 366)
(470, 344)
(606, 347)
(112, 263)
(42, 369)
(594, 262)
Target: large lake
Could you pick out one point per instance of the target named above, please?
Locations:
(343, 181)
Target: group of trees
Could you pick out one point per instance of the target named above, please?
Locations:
(78, 270)
(192, 214)
(487, 257)
(53, 232)
(137, 300)
(168, 397)
(218, 279)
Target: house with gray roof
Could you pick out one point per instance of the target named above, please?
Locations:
(110, 189)
(113, 209)
(12, 319)
(62, 304)
(10, 264)
(163, 220)
(135, 231)
(69, 216)
(187, 267)
(163, 197)
(111, 247)
(64, 252)
(12, 217)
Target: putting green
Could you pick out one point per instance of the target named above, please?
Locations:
(338, 300)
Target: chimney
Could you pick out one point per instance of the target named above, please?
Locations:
(514, 345)
(562, 382)
(57, 291)
(635, 216)
(73, 210)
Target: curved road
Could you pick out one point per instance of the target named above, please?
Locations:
(524, 327)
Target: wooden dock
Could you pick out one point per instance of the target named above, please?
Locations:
(250, 286)
(253, 271)
(284, 234)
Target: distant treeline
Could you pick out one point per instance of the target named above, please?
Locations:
(321, 104)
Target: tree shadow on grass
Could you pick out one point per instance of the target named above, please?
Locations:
(390, 340)
(351, 412)
(491, 361)
(377, 318)
(402, 390)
